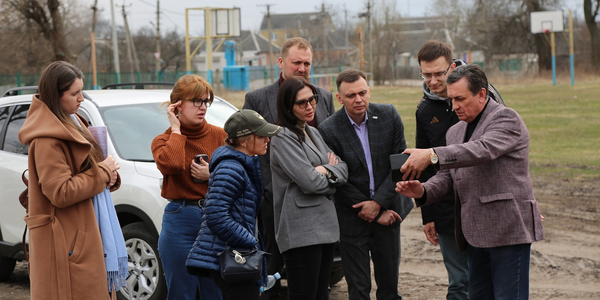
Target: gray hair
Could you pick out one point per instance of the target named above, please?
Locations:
(476, 79)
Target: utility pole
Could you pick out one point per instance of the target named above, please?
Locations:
(271, 65)
(346, 27)
(128, 42)
(361, 60)
(325, 44)
(115, 43)
(93, 45)
(157, 55)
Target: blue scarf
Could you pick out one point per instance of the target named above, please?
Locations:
(115, 253)
(113, 243)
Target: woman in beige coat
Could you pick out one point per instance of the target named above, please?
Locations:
(65, 171)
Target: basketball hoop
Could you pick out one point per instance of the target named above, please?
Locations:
(547, 30)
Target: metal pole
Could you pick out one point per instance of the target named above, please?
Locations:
(158, 40)
(270, 43)
(93, 45)
(188, 58)
(571, 50)
(208, 46)
(553, 58)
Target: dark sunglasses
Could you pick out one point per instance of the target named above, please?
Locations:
(313, 100)
(200, 102)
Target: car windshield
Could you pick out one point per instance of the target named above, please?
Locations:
(133, 127)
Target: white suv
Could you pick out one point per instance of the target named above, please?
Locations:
(133, 118)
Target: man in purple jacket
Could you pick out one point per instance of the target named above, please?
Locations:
(486, 165)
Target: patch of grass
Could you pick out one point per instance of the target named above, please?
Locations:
(563, 121)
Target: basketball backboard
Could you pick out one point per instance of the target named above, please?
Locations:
(225, 22)
(547, 21)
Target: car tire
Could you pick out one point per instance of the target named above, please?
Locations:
(337, 273)
(7, 266)
(146, 279)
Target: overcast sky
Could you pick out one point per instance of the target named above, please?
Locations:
(141, 12)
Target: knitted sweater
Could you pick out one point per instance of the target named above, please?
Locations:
(174, 153)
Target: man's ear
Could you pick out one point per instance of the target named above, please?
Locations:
(339, 99)
(482, 93)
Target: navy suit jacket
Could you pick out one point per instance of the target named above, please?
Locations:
(386, 137)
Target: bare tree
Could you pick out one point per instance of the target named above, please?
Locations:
(590, 11)
(49, 20)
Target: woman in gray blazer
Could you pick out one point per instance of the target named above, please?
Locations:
(305, 173)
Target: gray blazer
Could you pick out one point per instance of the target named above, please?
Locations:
(302, 203)
(386, 137)
(264, 101)
(489, 176)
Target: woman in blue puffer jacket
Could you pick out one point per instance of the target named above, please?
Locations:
(233, 201)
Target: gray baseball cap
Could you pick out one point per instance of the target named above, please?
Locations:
(247, 121)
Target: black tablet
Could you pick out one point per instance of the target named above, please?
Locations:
(396, 162)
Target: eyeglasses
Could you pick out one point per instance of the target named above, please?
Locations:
(313, 100)
(438, 75)
(200, 102)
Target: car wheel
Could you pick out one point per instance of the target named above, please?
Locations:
(337, 273)
(145, 280)
(7, 266)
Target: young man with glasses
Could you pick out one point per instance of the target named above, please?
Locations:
(434, 116)
(364, 135)
(295, 60)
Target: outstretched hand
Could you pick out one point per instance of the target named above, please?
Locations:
(411, 188)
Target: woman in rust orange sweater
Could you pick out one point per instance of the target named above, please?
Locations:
(185, 183)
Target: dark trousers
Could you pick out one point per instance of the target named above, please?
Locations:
(275, 260)
(457, 267)
(499, 273)
(308, 271)
(383, 244)
(235, 291)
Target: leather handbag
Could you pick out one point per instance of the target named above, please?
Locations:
(241, 265)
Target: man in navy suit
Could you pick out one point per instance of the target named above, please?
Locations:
(369, 212)
(486, 165)
(295, 60)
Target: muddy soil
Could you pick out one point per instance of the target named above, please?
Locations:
(566, 265)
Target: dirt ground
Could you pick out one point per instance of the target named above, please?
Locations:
(566, 265)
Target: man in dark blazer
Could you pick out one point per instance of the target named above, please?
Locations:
(369, 212)
(486, 165)
(295, 60)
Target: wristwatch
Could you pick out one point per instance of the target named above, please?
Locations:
(433, 158)
(328, 175)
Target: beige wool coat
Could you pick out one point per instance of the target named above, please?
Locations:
(65, 247)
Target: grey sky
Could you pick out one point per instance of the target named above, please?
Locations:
(141, 12)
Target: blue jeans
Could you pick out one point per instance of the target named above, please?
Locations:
(180, 227)
(499, 273)
(456, 266)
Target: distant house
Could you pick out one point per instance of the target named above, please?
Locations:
(316, 27)
(251, 49)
